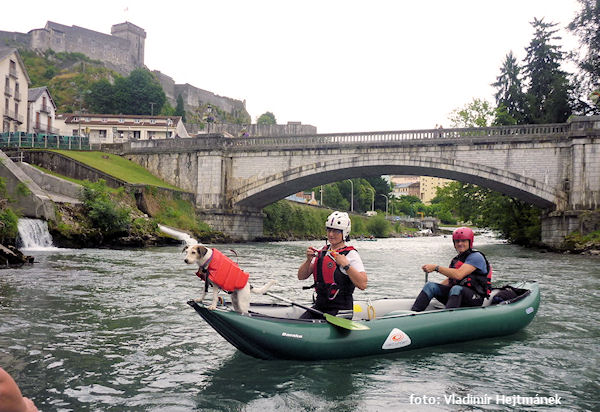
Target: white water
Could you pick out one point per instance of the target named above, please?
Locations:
(184, 237)
(34, 235)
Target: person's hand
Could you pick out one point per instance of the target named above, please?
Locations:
(340, 259)
(29, 405)
(428, 268)
(311, 252)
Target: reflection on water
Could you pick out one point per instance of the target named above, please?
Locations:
(109, 330)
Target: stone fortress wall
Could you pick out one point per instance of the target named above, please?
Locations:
(122, 51)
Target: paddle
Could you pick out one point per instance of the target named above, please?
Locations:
(334, 320)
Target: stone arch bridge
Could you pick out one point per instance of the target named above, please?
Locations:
(553, 166)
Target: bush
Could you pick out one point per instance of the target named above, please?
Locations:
(102, 211)
(379, 226)
(8, 226)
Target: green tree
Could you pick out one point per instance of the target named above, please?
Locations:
(586, 25)
(478, 113)
(133, 94)
(101, 98)
(266, 118)
(333, 198)
(511, 102)
(548, 92)
(179, 109)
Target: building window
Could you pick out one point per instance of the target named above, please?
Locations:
(102, 134)
(13, 68)
(137, 120)
(136, 134)
(152, 121)
(121, 120)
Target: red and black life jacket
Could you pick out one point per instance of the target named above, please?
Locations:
(329, 279)
(477, 280)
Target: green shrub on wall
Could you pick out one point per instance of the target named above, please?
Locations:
(8, 226)
(102, 211)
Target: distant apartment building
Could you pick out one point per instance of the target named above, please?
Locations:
(41, 111)
(429, 186)
(303, 197)
(407, 189)
(423, 187)
(118, 128)
(15, 85)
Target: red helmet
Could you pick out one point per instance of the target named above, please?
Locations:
(463, 233)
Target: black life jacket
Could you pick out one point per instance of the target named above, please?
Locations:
(477, 280)
(329, 279)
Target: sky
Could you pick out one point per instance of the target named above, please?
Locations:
(339, 65)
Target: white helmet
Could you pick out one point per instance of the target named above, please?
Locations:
(340, 221)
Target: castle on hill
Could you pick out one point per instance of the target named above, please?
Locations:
(122, 51)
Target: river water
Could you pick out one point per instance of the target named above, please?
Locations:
(110, 330)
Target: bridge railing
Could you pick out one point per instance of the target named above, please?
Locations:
(336, 139)
(406, 135)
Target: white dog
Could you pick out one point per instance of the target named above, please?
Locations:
(222, 273)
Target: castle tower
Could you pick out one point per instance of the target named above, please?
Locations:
(137, 38)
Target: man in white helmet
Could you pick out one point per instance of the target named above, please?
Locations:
(337, 269)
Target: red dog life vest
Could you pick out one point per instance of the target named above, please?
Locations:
(225, 273)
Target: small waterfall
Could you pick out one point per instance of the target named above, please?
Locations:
(184, 237)
(33, 234)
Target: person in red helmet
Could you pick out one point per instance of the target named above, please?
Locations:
(468, 278)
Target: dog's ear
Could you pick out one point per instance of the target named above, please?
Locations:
(184, 248)
(201, 249)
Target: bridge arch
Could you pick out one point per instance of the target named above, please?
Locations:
(269, 189)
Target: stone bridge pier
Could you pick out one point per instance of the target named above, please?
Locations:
(555, 167)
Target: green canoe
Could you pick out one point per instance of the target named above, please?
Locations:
(273, 331)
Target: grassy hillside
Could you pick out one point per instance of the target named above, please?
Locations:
(67, 76)
(118, 167)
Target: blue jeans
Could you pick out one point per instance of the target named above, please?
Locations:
(441, 292)
(451, 296)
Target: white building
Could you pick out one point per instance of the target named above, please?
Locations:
(117, 128)
(15, 85)
(41, 111)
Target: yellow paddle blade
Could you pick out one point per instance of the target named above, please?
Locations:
(345, 323)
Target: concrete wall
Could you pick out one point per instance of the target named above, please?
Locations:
(66, 166)
(51, 183)
(35, 204)
(71, 168)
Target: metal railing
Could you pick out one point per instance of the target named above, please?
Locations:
(24, 140)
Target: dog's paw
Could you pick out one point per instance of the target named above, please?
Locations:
(198, 300)
(212, 307)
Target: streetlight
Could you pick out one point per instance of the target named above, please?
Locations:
(351, 195)
(372, 198)
(386, 203)
(321, 190)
